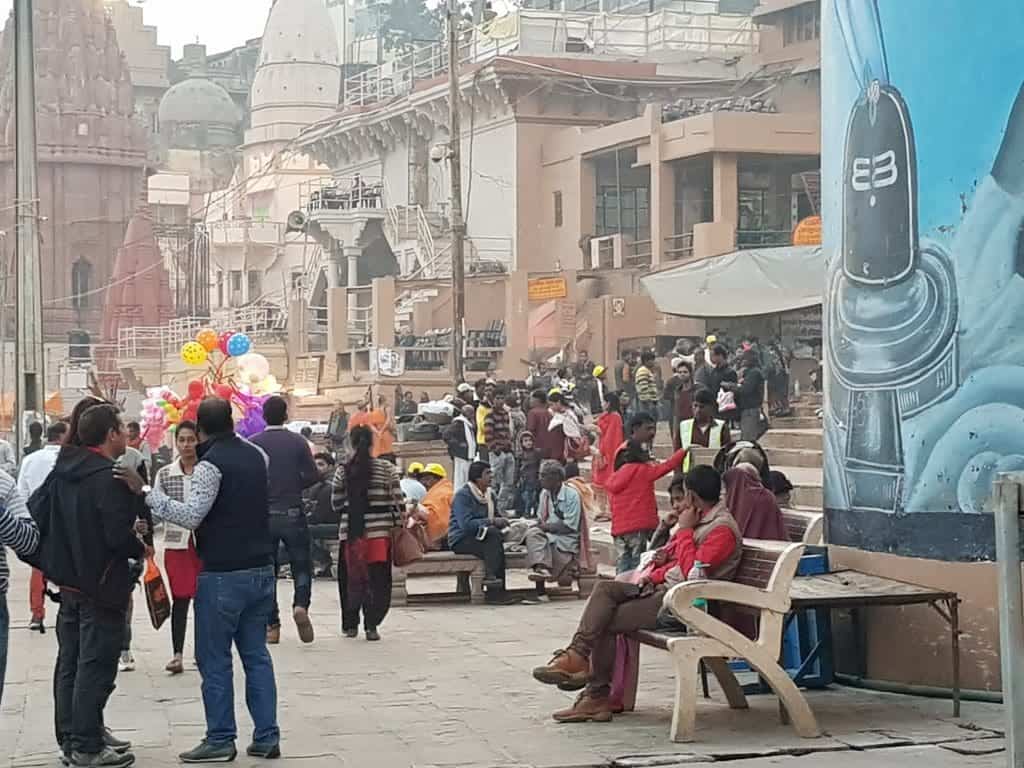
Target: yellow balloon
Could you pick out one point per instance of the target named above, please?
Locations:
(193, 353)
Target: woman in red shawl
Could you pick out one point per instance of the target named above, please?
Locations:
(612, 438)
(752, 505)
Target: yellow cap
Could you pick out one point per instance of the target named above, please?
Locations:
(435, 469)
(598, 370)
(415, 468)
(711, 339)
(554, 391)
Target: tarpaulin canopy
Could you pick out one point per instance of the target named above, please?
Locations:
(760, 281)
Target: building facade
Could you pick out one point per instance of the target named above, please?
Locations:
(92, 162)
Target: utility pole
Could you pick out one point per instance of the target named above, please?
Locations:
(458, 226)
(29, 350)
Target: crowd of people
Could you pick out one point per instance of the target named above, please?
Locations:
(230, 512)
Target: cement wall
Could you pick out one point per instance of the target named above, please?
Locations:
(924, 306)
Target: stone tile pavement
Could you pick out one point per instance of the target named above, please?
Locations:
(450, 686)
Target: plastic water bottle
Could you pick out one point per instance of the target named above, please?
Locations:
(698, 572)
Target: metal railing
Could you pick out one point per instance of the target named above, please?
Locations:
(679, 247)
(258, 321)
(241, 231)
(360, 317)
(638, 254)
(341, 193)
(486, 253)
(532, 32)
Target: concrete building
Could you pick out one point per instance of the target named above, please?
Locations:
(149, 63)
(590, 148)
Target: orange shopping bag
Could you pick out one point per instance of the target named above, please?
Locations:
(157, 600)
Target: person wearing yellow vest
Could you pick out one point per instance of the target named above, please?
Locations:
(703, 430)
(485, 398)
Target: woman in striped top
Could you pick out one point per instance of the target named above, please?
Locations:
(18, 532)
(367, 496)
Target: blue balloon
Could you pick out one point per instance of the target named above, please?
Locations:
(239, 344)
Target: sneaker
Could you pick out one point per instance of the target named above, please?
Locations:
(210, 753)
(127, 662)
(372, 635)
(566, 667)
(36, 625)
(175, 666)
(118, 745)
(303, 624)
(350, 633)
(587, 709)
(273, 635)
(266, 751)
(106, 758)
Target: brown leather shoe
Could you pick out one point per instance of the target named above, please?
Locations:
(273, 635)
(586, 709)
(566, 668)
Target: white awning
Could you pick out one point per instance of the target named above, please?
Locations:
(759, 281)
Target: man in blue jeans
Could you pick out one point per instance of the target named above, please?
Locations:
(228, 508)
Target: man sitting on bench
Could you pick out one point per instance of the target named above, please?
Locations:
(707, 544)
(553, 545)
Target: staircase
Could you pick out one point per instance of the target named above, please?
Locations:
(420, 241)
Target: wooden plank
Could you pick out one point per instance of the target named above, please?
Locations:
(848, 588)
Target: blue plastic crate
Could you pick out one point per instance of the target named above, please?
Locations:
(806, 638)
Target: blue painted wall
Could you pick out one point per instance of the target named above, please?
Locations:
(923, 181)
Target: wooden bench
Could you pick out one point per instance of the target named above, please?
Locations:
(762, 585)
(469, 577)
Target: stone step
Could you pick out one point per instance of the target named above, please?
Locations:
(809, 439)
(789, 457)
(796, 422)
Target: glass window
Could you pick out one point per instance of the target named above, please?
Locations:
(81, 279)
(801, 24)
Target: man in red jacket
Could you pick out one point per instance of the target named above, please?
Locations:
(706, 534)
(631, 490)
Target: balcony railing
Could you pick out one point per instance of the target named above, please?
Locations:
(242, 231)
(638, 254)
(343, 193)
(679, 247)
(532, 32)
(763, 238)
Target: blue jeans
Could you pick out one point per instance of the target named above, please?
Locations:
(503, 469)
(234, 607)
(5, 622)
(529, 495)
(629, 547)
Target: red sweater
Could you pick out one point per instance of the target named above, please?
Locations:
(631, 488)
(682, 551)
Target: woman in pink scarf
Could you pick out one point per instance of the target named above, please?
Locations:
(753, 506)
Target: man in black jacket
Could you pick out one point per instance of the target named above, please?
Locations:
(291, 471)
(228, 508)
(88, 527)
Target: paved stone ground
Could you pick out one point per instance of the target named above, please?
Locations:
(450, 686)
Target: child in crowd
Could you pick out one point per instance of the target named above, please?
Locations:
(780, 485)
(528, 459)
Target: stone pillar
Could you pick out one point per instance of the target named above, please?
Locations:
(725, 186)
(517, 330)
(587, 205)
(298, 332)
(352, 254)
(337, 320)
(382, 316)
(663, 190)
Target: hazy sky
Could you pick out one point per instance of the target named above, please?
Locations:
(221, 24)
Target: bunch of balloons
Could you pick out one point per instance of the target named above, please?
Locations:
(160, 410)
(208, 341)
(246, 386)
